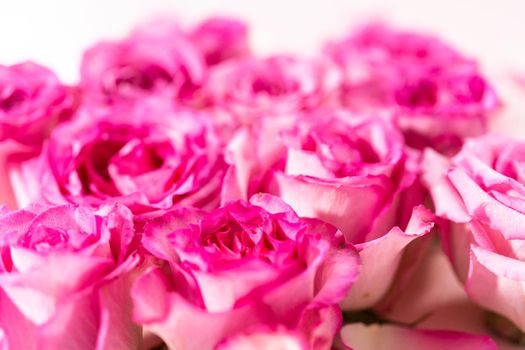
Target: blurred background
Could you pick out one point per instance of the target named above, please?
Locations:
(55, 32)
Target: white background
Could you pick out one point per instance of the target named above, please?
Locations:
(55, 32)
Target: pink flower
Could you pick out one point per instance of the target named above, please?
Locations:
(243, 266)
(438, 96)
(481, 192)
(148, 156)
(155, 59)
(352, 172)
(220, 39)
(65, 274)
(254, 88)
(32, 101)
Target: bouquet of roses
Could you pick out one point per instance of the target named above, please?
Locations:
(189, 194)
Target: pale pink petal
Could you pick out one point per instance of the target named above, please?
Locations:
(271, 340)
(390, 337)
(478, 203)
(446, 199)
(337, 203)
(117, 330)
(180, 324)
(498, 284)
(429, 287)
(377, 274)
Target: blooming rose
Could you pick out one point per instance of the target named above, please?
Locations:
(352, 172)
(152, 60)
(147, 156)
(243, 266)
(439, 97)
(253, 88)
(65, 278)
(481, 192)
(32, 100)
(220, 39)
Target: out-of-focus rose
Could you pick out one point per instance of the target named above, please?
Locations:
(352, 172)
(32, 101)
(481, 191)
(148, 156)
(220, 39)
(65, 274)
(254, 88)
(439, 96)
(241, 267)
(157, 58)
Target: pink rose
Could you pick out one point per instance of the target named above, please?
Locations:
(148, 156)
(32, 101)
(352, 172)
(253, 88)
(439, 96)
(481, 192)
(220, 39)
(65, 274)
(155, 59)
(243, 266)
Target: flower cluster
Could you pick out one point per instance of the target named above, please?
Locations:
(189, 194)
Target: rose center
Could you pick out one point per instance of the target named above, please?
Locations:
(237, 239)
(12, 99)
(44, 238)
(271, 87)
(422, 93)
(142, 78)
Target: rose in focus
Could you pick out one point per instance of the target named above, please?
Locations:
(240, 267)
